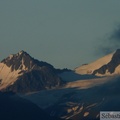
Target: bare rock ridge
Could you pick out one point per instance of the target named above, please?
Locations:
(111, 66)
(22, 73)
(24, 61)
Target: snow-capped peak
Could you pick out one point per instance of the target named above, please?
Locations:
(89, 68)
(22, 64)
(18, 61)
(12, 67)
(111, 68)
(105, 66)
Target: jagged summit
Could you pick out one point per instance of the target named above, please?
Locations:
(23, 61)
(22, 73)
(22, 52)
(17, 55)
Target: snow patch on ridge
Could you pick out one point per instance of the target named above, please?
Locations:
(7, 76)
(88, 69)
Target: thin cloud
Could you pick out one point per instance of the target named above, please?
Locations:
(115, 37)
(110, 43)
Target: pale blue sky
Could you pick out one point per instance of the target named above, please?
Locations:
(65, 33)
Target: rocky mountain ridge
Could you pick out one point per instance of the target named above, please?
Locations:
(22, 73)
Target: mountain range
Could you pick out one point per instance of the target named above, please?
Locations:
(78, 94)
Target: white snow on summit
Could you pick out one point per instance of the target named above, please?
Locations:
(89, 68)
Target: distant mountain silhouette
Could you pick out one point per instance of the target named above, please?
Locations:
(13, 107)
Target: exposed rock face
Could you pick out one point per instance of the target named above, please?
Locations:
(111, 66)
(35, 80)
(26, 74)
(24, 61)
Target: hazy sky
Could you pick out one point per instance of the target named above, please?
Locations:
(65, 33)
